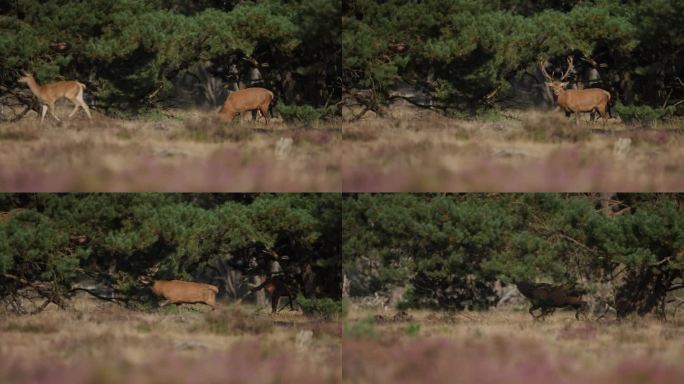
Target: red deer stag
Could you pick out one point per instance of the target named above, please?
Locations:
(48, 94)
(277, 287)
(248, 99)
(548, 297)
(185, 292)
(577, 100)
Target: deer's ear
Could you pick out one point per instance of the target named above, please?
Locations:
(548, 84)
(565, 84)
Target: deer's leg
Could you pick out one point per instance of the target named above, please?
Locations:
(289, 299)
(604, 116)
(264, 111)
(211, 303)
(165, 303)
(75, 108)
(576, 118)
(44, 109)
(51, 108)
(274, 303)
(283, 307)
(543, 314)
(82, 103)
(532, 308)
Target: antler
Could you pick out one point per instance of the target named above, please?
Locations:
(146, 277)
(543, 70)
(570, 68)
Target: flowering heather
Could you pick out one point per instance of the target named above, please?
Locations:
(194, 154)
(97, 342)
(244, 363)
(496, 360)
(530, 153)
(504, 346)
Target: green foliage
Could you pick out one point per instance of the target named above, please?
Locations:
(469, 50)
(130, 52)
(412, 329)
(304, 113)
(57, 239)
(453, 248)
(325, 308)
(643, 114)
(361, 329)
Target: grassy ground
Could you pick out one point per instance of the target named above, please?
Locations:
(190, 151)
(522, 151)
(103, 343)
(508, 346)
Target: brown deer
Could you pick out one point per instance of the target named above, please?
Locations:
(48, 94)
(248, 99)
(185, 292)
(277, 287)
(577, 100)
(548, 297)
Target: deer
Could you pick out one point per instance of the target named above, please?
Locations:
(277, 287)
(48, 94)
(548, 297)
(180, 292)
(185, 292)
(248, 99)
(577, 100)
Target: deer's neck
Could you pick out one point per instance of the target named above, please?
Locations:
(562, 97)
(35, 88)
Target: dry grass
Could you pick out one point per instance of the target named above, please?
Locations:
(508, 346)
(104, 343)
(529, 151)
(191, 151)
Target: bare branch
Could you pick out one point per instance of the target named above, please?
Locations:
(91, 292)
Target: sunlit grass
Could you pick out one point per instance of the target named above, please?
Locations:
(507, 346)
(101, 342)
(190, 151)
(521, 151)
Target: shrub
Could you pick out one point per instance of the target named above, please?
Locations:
(304, 113)
(45, 326)
(643, 114)
(362, 329)
(210, 129)
(412, 329)
(19, 134)
(362, 133)
(326, 308)
(554, 128)
(235, 321)
(408, 300)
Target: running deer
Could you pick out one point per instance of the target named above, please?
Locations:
(577, 100)
(185, 292)
(48, 94)
(548, 297)
(248, 99)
